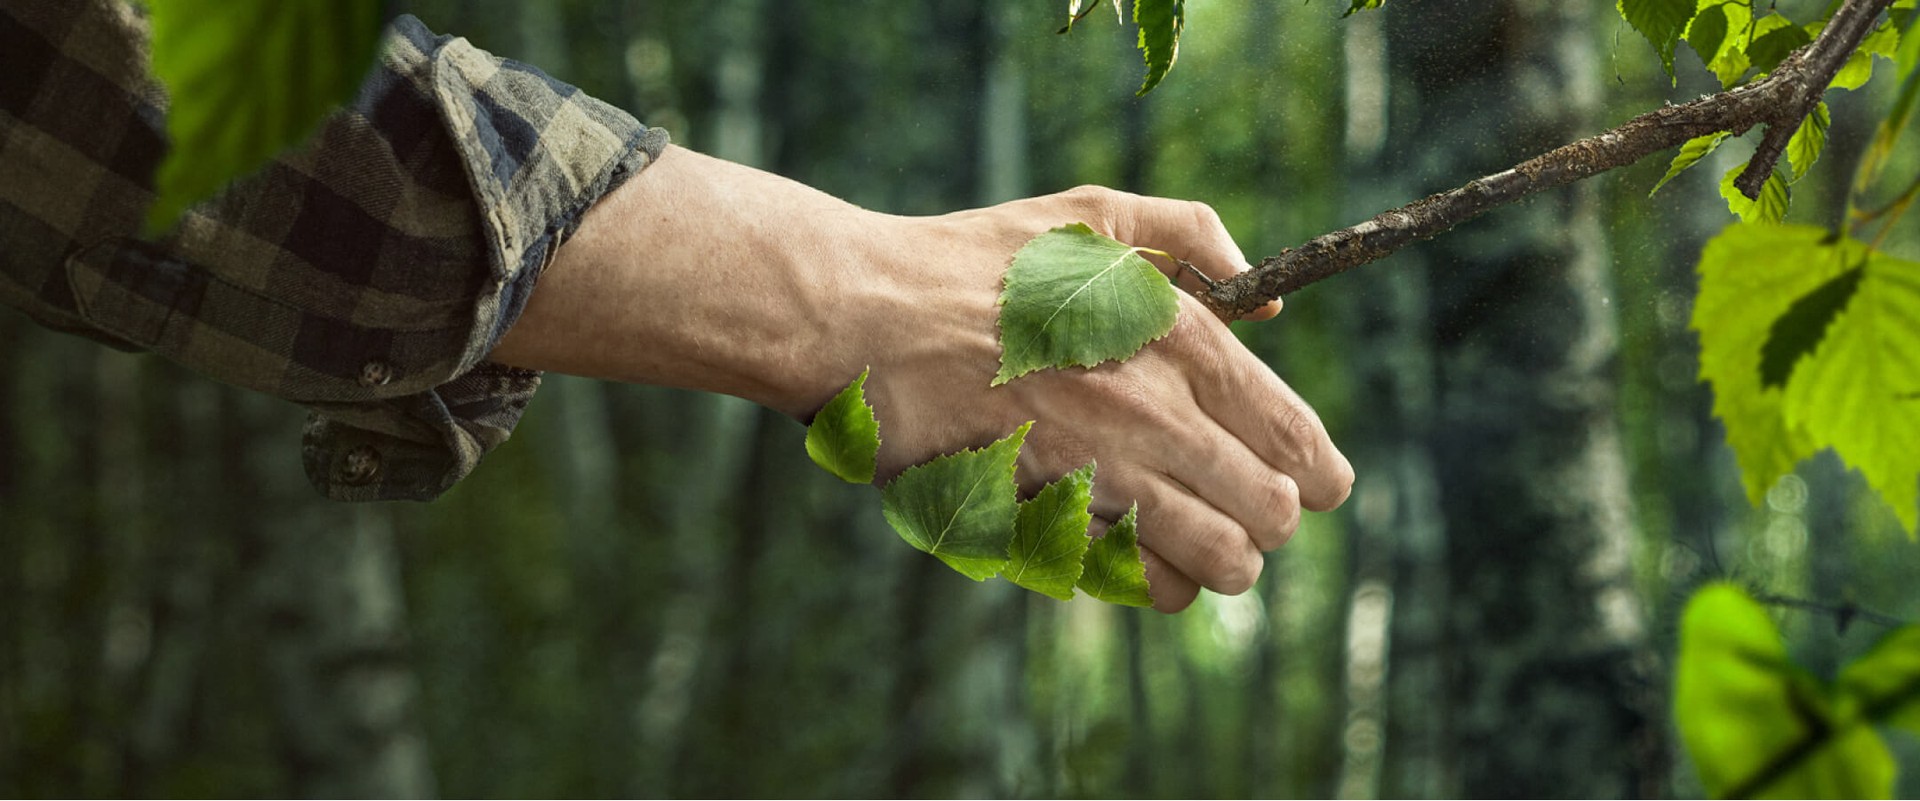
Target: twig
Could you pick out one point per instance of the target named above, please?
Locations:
(1780, 101)
(1844, 613)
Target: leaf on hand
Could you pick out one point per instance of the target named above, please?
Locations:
(960, 507)
(1756, 725)
(1161, 23)
(1807, 142)
(1114, 570)
(1690, 154)
(1074, 297)
(1660, 21)
(1883, 685)
(1050, 536)
(844, 437)
(1769, 207)
(248, 80)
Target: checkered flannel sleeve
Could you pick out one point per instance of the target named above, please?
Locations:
(365, 275)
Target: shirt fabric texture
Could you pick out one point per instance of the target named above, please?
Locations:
(365, 274)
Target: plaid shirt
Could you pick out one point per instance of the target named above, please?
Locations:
(365, 275)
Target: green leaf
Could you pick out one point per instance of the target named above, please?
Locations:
(1360, 5)
(1807, 142)
(1074, 297)
(1883, 685)
(1749, 276)
(1707, 32)
(844, 436)
(1050, 536)
(1690, 154)
(1660, 21)
(1769, 207)
(1160, 23)
(248, 79)
(960, 507)
(1114, 571)
(1774, 38)
(1801, 329)
(1756, 725)
(1849, 393)
(1718, 33)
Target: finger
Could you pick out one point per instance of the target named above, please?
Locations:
(1225, 473)
(1170, 589)
(1197, 540)
(1252, 404)
(1191, 231)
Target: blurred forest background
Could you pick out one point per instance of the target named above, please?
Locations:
(652, 592)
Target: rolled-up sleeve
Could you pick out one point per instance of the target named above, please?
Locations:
(365, 275)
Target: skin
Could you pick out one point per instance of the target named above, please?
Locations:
(709, 275)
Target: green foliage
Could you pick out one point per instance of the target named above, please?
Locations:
(1807, 142)
(1075, 297)
(1050, 536)
(1660, 21)
(1160, 22)
(1801, 357)
(1114, 571)
(1360, 5)
(1690, 154)
(844, 437)
(1758, 726)
(1884, 684)
(1769, 207)
(248, 79)
(960, 507)
(1719, 35)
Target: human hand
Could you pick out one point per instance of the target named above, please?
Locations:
(761, 287)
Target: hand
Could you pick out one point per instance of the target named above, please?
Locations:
(704, 274)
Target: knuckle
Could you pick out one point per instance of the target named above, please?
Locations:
(1231, 571)
(1282, 509)
(1203, 215)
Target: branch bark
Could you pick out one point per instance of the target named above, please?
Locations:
(1780, 101)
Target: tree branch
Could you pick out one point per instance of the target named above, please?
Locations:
(1780, 101)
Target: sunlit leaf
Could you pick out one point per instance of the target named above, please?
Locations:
(1161, 23)
(1660, 21)
(960, 507)
(1798, 332)
(1749, 276)
(1074, 297)
(1114, 570)
(1362, 5)
(1848, 394)
(1769, 207)
(1808, 140)
(1690, 154)
(1754, 724)
(1050, 536)
(844, 436)
(1718, 33)
(247, 79)
(1774, 38)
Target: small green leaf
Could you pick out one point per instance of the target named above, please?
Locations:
(1883, 685)
(1114, 571)
(1161, 23)
(844, 436)
(1690, 154)
(1756, 725)
(1855, 73)
(1769, 207)
(960, 507)
(1774, 38)
(1074, 297)
(1660, 21)
(1800, 330)
(1718, 34)
(1707, 33)
(1360, 5)
(1807, 142)
(248, 79)
(1050, 536)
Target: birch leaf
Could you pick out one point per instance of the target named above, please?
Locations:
(960, 507)
(844, 436)
(1050, 536)
(1114, 571)
(1075, 297)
